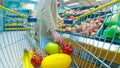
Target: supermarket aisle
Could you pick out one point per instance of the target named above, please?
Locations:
(12, 44)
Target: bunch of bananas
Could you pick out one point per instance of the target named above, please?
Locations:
(26, 58)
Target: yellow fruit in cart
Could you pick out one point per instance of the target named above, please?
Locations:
(56, 61)
(27, 55)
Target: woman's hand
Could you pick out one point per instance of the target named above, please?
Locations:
(57, 37)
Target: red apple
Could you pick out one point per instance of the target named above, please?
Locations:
(91, 22)
(90, 28)
(95, 30)
(101, 20)
(85, 33)
(63, 26)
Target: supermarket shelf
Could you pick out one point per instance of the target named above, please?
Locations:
(91, 41)
(15, 29)
(9, 25)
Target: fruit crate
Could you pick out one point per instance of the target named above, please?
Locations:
(93, 17)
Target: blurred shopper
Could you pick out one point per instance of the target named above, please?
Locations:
(47, 12)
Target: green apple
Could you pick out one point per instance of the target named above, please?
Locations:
(52, 48)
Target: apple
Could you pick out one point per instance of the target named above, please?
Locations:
(63, 26)
(91, 22)
(78, 29)
(95, 30)
(76, 26)
(96, 21)
(85, 32)
(68, 29)
(101, 20)
(90, 28)
(52, 48)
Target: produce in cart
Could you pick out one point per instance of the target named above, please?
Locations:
(67, 48)
(27, 55)
(52, 48)
(56, 61)
(36, 60)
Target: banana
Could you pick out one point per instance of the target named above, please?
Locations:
(26, 59)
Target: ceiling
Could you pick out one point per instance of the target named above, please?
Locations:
(73, 3)
(79, 3)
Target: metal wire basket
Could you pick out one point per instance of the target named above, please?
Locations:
(88, 53)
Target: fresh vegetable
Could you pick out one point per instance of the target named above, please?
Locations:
(52, 48)
(105, 32)
(112, 20)
(56, 61)
(67, 48)
(109, 31)
(112, 30)
(36, 60)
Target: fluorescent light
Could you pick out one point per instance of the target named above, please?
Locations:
(35, 0)
(72, 4)
(66, 0)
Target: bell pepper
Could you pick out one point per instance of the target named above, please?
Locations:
(67, 48)
(36, 60)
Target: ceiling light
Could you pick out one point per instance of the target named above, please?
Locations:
(66, 0)
(72, 4)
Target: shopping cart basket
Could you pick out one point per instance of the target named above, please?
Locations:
(88, 53)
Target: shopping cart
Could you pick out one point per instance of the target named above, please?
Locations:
(88, 52)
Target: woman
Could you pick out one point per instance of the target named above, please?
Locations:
(47, 13)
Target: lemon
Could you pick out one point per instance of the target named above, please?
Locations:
(56, 61)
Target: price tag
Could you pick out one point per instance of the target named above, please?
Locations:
(66, 35)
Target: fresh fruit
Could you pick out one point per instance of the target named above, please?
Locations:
(63, 26)
(36, 60)
(68, 29)
(67, 48)
(56, 61)
(95, 30)
(79, 28)
(27, 55)
(52, 48)
(101, 20)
